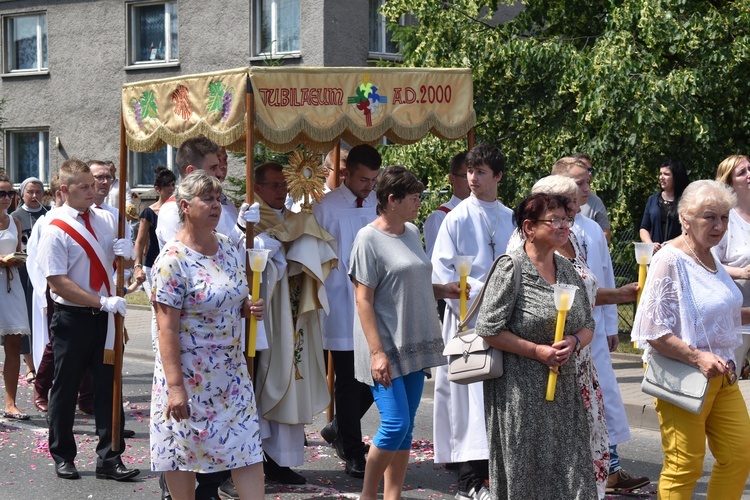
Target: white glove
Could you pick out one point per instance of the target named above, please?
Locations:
(264, 242)
(114, 305)
(248, 213)
(124, 248)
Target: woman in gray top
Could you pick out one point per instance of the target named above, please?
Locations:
(396, 334)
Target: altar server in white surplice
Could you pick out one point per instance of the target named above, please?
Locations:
(343, 212)
(457, 178)
(480, 226)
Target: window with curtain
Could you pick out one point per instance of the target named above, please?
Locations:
(380, 38)
(152, 33)
(277, 27)
(28, 154)
(142, 166)
(25, 43)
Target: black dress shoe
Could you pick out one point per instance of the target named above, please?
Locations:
(356, 467)
(116, 471)
(128, 433)
(331, 434)
(66, 470)
(279, 474)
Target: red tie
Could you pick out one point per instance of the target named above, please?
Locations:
(85, 216)
(359, 202)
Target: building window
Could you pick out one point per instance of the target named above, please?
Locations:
(380, 38)
(142, 166)
(26, 43)
(152, 33)
(28, 154)
(276, 27)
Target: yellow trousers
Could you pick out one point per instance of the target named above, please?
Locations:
(724, 422)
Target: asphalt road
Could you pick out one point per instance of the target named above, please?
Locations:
(28, 472)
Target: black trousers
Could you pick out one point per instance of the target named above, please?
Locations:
(353, 399)
(78, 343)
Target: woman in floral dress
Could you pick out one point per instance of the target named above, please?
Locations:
(203, 412)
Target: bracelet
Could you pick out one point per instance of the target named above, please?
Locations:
(137, 266)
(578, 342)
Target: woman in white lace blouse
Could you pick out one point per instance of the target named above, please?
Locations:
(691, 311)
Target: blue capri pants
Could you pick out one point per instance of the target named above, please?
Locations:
(398, 406)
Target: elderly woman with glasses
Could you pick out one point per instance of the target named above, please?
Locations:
(691, 311)
(521, 323)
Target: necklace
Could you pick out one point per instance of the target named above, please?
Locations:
(490, 233)
(695, 255)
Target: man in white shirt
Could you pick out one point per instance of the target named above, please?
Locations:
(480, 226)
(343, 212)
(76, 252)
(594, 207)
(113, 197)
(461, 191)
(596, 252)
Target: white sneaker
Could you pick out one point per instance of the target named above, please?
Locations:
(463, 496)
(481, 494)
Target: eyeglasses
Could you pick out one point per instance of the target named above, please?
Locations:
(273, 185)
(104, 178)
(558, 223)
(732, 375)
(462, 176)
(9, 194)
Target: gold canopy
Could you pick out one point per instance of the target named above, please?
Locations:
(314, 107)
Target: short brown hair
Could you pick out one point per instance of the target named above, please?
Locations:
(398, 181)
(566, 164)
(70, 168)
(192, 152)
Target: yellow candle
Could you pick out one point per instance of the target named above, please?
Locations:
(256, 263)
(641, 281)
(559, 328)
(464, 269)
(463, 298)
(253, 334)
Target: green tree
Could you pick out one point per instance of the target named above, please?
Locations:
(628, 82)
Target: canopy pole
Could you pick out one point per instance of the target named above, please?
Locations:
(120, 288)
(331, 376)
(470, 139)
(249, 199)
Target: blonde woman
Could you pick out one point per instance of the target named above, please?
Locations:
(733, 251)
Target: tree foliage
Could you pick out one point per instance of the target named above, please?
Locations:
(628, 82)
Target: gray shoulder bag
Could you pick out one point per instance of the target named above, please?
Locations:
(470, 358)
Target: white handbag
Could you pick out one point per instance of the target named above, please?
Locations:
(676, 382)
(673, 381)
(470, 358)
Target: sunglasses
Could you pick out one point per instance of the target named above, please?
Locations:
(9, 194)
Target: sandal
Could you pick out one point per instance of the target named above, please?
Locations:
(30, 376)
(15, 416)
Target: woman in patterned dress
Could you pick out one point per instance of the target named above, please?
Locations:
(538, 448)
(203, 412)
